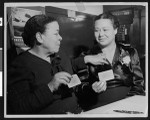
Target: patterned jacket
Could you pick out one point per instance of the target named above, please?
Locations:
(125, 63)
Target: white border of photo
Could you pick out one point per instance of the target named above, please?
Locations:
(66, 5)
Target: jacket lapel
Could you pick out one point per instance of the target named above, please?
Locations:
(116, 56)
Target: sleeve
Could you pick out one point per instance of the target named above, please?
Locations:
(138, 81)
(84, 92)
(78, 64)
(22, 95)
(86, 95)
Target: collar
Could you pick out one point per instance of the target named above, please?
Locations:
(55, 59)
(96, 49)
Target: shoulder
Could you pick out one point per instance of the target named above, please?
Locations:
(127, 47)
(22, 59)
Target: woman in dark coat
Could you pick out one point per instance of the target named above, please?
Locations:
(119, 60)
(36, 82)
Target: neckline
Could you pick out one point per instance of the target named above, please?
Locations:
(110, 53)
(37, 57)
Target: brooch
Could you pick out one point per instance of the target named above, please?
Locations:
(124, 58)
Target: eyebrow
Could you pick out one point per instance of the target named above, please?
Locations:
(102, 27)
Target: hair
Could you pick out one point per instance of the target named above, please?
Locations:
(108, 15)
(35, 24)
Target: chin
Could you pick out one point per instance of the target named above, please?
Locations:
(103, 44)
(56, 51)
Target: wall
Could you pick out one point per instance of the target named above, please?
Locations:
(137, 33)
(138, 37)
(115, 7)
(90, 8)
(143, 27)
(77, 36)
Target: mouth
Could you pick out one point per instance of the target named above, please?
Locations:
(58, 45)
(101, 40)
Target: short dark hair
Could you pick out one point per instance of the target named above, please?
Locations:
(35, 24)
(108, 15)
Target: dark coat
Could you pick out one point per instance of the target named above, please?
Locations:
(131, 82)
(27, 87)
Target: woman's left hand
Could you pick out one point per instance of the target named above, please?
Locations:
(99, 86)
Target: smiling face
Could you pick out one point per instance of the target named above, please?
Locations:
(104, 32)
(51, 38)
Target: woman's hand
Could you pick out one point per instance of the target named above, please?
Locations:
(58, 79)
(98, 59)
(99, 86)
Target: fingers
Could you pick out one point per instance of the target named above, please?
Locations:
(106, 61)
(102, 58)
(99, 86)
(63, 77)
(66, 76)
(63, 81)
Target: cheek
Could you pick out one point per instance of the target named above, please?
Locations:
(50, 43)
(111, 35)
(53, 44)
(96, 34)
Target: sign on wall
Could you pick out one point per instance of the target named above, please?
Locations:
(125, 16)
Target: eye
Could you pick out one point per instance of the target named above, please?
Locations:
(96, 30)
(106, 29)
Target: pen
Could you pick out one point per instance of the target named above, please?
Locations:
(129, 112)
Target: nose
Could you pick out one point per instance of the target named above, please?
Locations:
(60, 38)
(100, 33)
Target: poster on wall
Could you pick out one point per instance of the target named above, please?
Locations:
(19, 18)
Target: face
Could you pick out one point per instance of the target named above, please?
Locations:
(51, 38)
(104, 32)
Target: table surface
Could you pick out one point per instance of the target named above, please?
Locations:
(134, 103)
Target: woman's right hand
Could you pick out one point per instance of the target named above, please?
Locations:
(98, 59)
(58, 79)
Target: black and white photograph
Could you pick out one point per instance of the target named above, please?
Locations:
(75, 60)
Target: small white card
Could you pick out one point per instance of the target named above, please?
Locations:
(74, 81)
(106, 75)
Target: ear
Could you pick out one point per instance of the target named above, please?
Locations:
(39, 37)
(116, 30)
